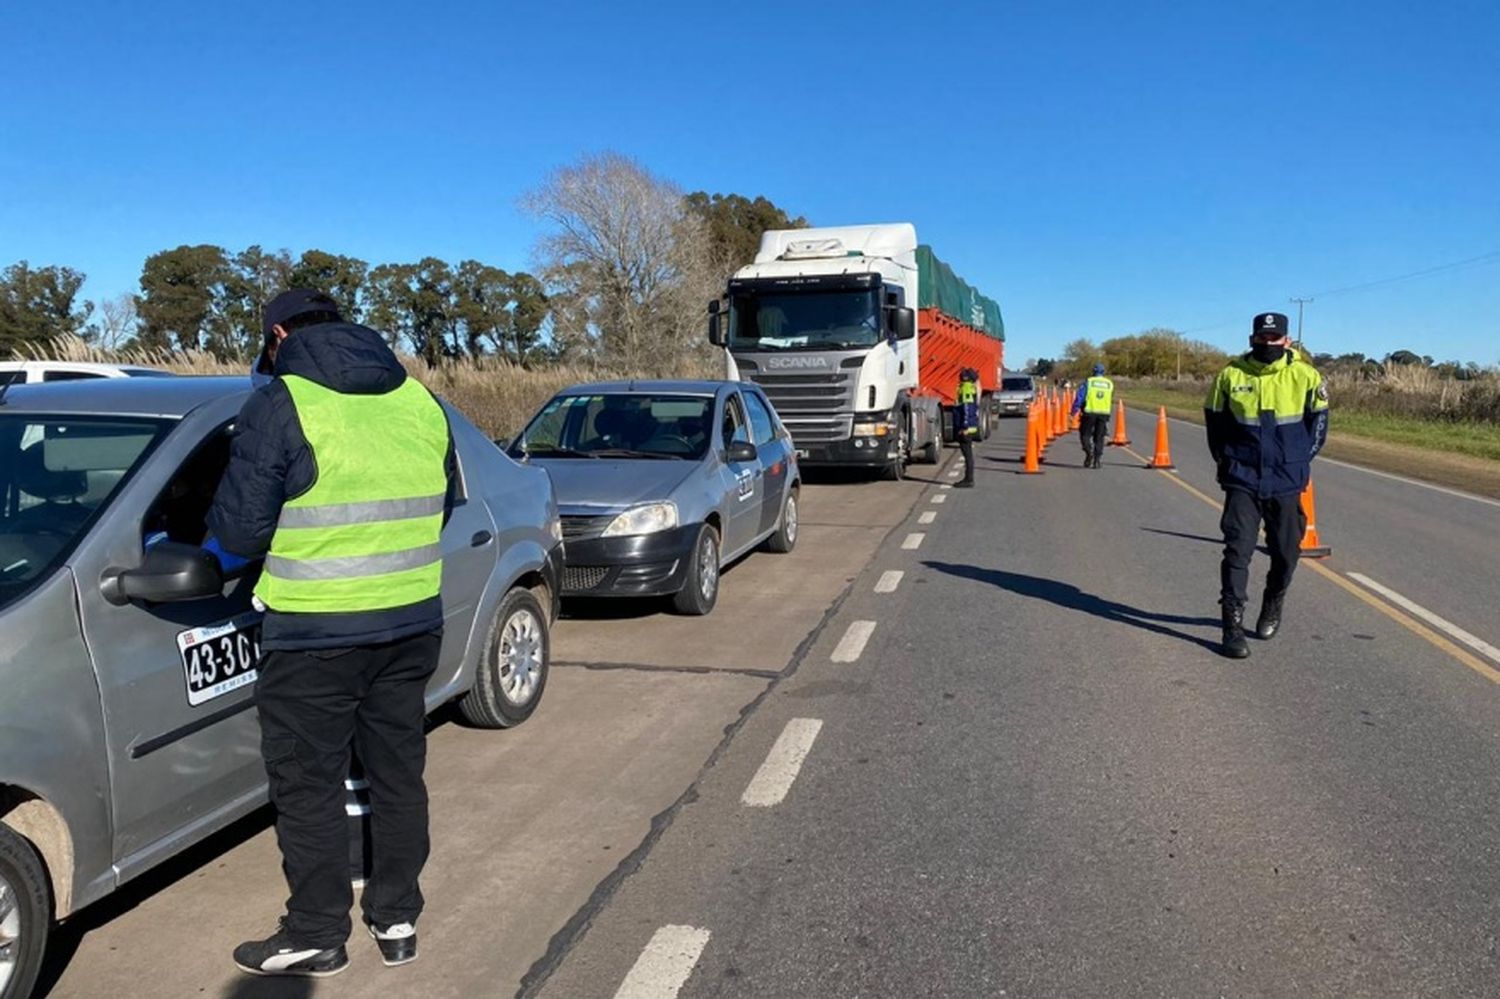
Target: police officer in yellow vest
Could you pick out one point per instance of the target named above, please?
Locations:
(1267, 417)
(966, 422)
(1095, 397)
(341, 477)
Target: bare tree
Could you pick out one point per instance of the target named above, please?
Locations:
(115, 323)
(628, 266)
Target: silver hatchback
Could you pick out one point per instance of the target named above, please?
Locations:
(661, 483)
(128, 658)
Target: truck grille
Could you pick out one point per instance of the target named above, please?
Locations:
(816, 408)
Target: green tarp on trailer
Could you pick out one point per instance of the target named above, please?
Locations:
(939, 288)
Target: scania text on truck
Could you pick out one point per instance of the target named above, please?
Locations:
(857, 334)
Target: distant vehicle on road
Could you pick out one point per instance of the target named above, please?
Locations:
(1017, 392)
(858, 335)
(33, 372)
(129, 659)
(662, 483)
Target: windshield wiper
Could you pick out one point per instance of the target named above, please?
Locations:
(562, 452)
(625, 452)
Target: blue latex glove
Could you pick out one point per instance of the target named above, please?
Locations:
(228, 561)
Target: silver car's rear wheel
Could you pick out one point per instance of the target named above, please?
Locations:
(25, 914)
(10, 933)
(512, 672)
(521, 657)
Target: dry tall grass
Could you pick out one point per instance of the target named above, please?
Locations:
(497, 396)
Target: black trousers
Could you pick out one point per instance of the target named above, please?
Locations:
(966, 448)
(1092, 429)
(314, 706)
(1243, 516)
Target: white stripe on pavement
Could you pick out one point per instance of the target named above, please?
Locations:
(888, 581)
(939, 498)
(913, 541)
(665, 964)
(853, 643)
(946, 485)
(775, 776)
(1454, 631)
(927, 517)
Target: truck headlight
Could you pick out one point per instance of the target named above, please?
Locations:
(648, 518)
(871, 429)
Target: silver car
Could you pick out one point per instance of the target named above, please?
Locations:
(1015, 396)
(661, 483)
(128, 669)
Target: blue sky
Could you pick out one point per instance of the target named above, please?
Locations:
(1099, 168)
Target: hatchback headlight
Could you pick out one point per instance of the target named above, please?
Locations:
(648, 518)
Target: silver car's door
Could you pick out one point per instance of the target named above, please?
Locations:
(774, 463)
(469, 550)
(743, 480)
(175, 679)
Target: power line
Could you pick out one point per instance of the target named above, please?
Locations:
(1484, 258)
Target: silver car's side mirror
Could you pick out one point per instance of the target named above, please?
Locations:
(169, 572)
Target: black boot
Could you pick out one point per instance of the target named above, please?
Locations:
(1270, 615)
(1234, 645)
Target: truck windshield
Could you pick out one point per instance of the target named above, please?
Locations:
(814, 320)
(56, 474)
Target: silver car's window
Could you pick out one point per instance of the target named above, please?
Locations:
(56, 474)
(761, 424)
(620, 425)
(1015, 385)
(735, 428)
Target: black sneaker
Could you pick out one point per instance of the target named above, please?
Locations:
(279, 955)
(964, 484)
(397, 942)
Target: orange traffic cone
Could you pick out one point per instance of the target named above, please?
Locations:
(1076, 421)
(1312, 546)
(1163, 456)
(1120, 440)
(1032, 465)
(1047, 419)
(1060, 426)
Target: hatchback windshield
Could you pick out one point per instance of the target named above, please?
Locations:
(56, 473)
(620, 425)
(1015, 385)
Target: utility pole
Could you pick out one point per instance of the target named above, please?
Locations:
(1300, 302)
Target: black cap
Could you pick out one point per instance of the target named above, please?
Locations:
(295, 302)
(968, 375)
(1272, 325)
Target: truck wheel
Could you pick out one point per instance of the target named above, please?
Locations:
(25, 915)
(785, 538)
(933, 449)
(896, 470)
(700, 591)
(513, 669)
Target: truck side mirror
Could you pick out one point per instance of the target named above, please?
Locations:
(903, 324)
(715, 325)
(170, 571)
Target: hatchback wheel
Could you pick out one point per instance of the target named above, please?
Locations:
(785, 538)
(700, 591)
(25, 915)
(513, 669)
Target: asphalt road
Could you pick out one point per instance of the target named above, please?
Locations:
(961, 743)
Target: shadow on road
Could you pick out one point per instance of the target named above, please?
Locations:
(1180, 534)
(270, 988)
(1071, 597)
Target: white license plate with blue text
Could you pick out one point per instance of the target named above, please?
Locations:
(219, 658)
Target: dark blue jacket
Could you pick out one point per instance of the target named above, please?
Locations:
(270, 462)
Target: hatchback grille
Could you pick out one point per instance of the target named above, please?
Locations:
(581, 528)
(583, 577)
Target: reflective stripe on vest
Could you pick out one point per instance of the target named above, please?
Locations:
(1280, 393)
(1098, 397)
(367, 534)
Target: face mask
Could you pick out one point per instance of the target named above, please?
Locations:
(1267, 353)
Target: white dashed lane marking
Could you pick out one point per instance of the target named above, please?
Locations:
(775, 776)
(927, 517)
(665, 964)
(853, 643)
(939, 498)
(888, 581)
(913, 541)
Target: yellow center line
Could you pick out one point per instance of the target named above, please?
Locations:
(1409, 623)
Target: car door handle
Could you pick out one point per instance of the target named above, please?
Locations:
(480, 539)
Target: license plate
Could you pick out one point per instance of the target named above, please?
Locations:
(219, 658)
(802, 452)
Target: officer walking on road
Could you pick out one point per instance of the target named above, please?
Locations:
(341, 475)
(1094, 398)
(1267, 417)
(966, 422)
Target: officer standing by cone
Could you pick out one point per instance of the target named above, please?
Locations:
(1266, 417)
(966, 422)
(341, 475)
(1095, 397)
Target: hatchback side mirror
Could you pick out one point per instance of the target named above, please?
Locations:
(740, 451)
(170, 571)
